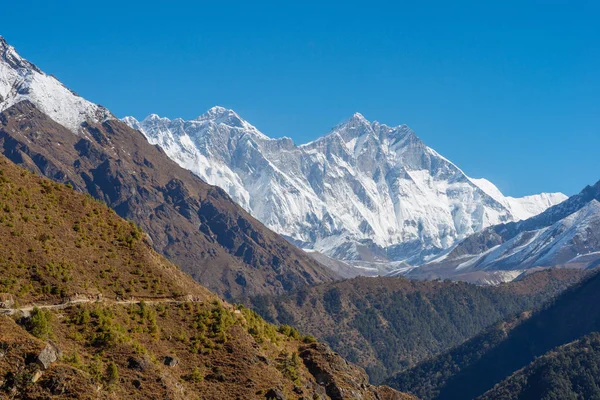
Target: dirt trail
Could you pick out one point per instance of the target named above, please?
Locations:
(26, 310)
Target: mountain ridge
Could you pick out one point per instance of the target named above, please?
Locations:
(562, 236)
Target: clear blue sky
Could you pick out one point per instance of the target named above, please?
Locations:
(508, 90)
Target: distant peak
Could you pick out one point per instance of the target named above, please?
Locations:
(218, 112)
(155, 117)
(355, 126)
(6, 48)
(357, 118)
(218, 115)
(129, 119)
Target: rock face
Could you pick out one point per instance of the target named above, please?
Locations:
(6, 300)
(364, 192)
(341, 379)
(194, 224)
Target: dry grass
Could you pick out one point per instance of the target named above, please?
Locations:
(56, 243)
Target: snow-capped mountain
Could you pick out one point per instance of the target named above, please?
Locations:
(365, 191)
(567, 234)
(21, 80)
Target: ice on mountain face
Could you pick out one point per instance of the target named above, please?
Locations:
(561, 243)
(21, 80)
(365, 191)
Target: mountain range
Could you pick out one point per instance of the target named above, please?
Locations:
(363, 193)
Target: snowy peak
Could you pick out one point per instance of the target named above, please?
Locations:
(221, 113)
(571, 241)
(363, 192)
(216, 121)
(12, 58)
(21, 80)
(154, 118)
(353, 128)
(222, 116)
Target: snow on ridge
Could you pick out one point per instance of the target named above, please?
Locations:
(365, 191)
(21, 80)
(550, 245)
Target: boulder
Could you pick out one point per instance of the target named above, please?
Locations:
(50, 354)
(138, 364)
(6, 300)
(170, 361)
(274, 394)
(341, 379)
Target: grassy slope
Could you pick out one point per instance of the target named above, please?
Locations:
(56, 243)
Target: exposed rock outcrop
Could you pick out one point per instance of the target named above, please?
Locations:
(49, 355)
(341, 379)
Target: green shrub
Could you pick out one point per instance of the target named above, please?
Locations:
(112, 373)
(39, 323)
(195, 376)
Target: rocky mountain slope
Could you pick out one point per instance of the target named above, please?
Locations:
(475, 367)
(50, 130)
(390, 324)
(566, 235)
(92, 312)
(364, 192)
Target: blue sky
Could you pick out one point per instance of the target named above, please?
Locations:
(508, 90)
